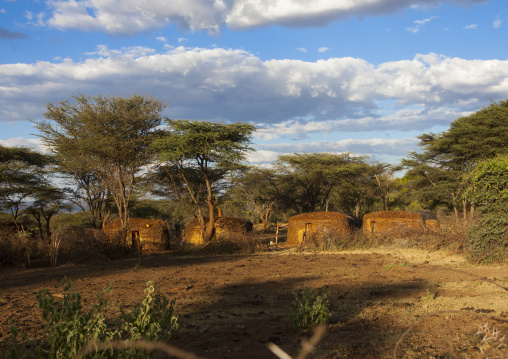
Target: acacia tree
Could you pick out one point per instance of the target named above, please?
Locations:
(436, 172)
(105, 137)
(257, 187)
(22, 173)
(307, 181)
(202, 154)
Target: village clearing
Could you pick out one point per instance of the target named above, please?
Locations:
(231, 306)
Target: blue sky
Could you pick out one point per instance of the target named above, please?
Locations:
(363, 76)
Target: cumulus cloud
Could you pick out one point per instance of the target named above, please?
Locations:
(133, 16)
(472, 27)
(232, 85)
(323, 49)
(32, 143)
(302, 49)
(267, 153)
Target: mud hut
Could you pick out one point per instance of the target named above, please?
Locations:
(225, 227)
(314, 227)
(152, 233)
(397, 223)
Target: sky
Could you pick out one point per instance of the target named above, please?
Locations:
(359, 76)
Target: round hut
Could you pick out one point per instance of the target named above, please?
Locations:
(397, 223)
(313, 227)
(152, 233)
(225, 227)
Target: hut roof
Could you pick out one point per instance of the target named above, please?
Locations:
(315, 216)
(393, 214)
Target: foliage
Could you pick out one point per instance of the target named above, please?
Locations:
(307, 181)
(69, 328)
(257, 190)
(197, 155)
(487, 187)
(434, 176)
(309, 308)
(22, 174)
(102, 143)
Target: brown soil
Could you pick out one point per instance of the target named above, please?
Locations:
(231, 306)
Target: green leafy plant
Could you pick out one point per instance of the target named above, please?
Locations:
(69, 329)
(309, 309)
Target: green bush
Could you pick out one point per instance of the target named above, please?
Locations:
(487, 187)
(309, 309)
(68, 328)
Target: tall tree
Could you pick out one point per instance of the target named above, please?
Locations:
(447, 156)
(203, 153)
(105, 137)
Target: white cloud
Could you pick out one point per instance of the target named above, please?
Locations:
(2, 11)
(302, 49)
(418, 24)
(472, 27)
(497, 22)
(323, 49)
(341, 94)
(133, 16)
(32, 143)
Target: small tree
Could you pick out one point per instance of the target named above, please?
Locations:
(23, 172)
(104, 137)
(202, 154)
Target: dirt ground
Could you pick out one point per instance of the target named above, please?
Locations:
(231, 306)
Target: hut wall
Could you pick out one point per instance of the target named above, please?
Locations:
(153, 233)
(225, 227)
(396, 223)
(316, 226)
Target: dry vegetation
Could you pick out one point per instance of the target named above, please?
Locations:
(410, 297)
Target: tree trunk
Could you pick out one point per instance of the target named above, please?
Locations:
(210, 228)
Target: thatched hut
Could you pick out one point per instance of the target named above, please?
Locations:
(307, 227)
(225, 227)
(152, 233)
(397, 223)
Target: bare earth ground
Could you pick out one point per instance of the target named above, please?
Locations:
(231, 306)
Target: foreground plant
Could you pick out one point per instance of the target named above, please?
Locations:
(309, 309)
(69, 329)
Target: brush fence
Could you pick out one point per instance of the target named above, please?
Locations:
(225, 227)
(152, 233)
(317, 226)
(397, 223)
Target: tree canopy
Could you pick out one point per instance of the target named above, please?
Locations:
(206, 150)
(103, 142)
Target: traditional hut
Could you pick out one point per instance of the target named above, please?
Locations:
(307, 227)
(152, 233)
(225, 227)
(397, 223)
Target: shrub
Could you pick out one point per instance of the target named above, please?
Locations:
(487, 188)
(309, 309)
(69, 329)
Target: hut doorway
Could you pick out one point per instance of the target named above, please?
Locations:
(372, 226)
